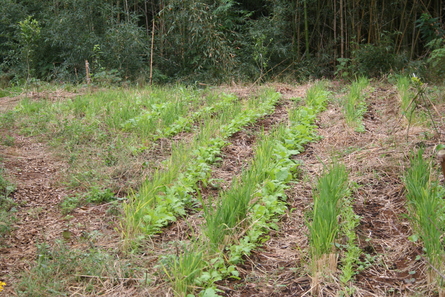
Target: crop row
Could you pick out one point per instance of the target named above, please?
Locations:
(240, 217)
(426, 209)
(169, 192)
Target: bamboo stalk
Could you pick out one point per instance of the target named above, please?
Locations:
(306, 28)
(342, 36)
(151, 51)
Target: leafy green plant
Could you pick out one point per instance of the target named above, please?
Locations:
(95, 195)
(344, 67)
(161, 199)
(7, 218)
(236, 222)
(350, 261)
(436, 64)
(430, 28)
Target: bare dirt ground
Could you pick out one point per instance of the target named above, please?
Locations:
(375, 159)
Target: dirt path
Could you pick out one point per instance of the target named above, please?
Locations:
(37, 174)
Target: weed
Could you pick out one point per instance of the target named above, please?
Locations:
(8, 140)
(60, 268)
(6, 187)
(7, 119)
(184, 270)
(95, 195)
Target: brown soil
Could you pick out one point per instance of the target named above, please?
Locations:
(37, 172)
(376, 160)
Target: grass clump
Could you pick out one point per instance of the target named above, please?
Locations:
(355, 105)
(61, 269)
(427, 211)
(183, 270)
(403, 88)
(324, 226)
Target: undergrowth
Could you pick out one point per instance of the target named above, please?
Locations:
(60, 268)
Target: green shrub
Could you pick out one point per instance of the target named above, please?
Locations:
(374, 60)
(436, 63)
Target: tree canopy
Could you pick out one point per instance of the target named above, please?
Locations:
(216, 40)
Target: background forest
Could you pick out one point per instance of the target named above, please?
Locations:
(218, 40)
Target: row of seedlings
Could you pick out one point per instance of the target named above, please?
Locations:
(355, 105)
(241, 215)
(332, 232)
(426, 209)
(169, 192)
(169, 118)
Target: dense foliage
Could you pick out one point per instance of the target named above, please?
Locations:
(217, 40)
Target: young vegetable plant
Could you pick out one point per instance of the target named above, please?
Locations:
(237, 221)
(161, 200)
(403, 88)
(351, 264)
(330, 190)
(427, 212)
(355, 105)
